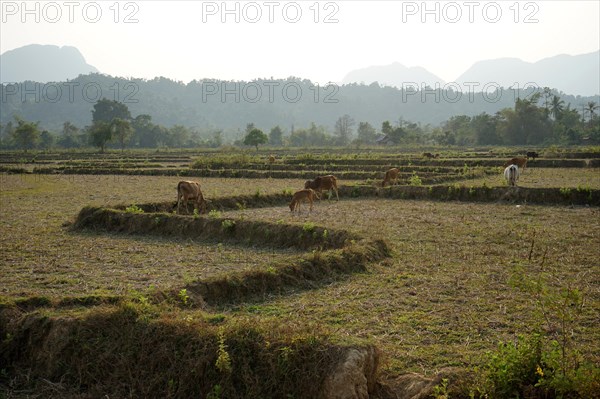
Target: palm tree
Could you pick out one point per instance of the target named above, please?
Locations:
(591, 107)
(557, 107)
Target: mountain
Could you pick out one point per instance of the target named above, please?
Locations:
(43, 63)
(394, 74)
(573, 74)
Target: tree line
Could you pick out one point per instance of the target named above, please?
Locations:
(540, 119)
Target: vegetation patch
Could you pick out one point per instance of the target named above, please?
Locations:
(127, 351)
(334, 252)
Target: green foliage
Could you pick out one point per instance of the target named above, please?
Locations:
(256, 137)
(415, 180)
(441, 391)
(26, 134)
(546, 361)
(183, 296)
(513, 367)
(107, 110)
(134, 209)
(565, 192)
(308, 227)
(228, 225)
(223, 362)
(214, 214)
(100, 134)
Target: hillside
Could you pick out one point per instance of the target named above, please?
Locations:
(43, 63)
(578, 74)
(231, 105)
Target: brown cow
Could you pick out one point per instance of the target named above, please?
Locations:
(519, 161)
(428, 155)
(391, 176)
(321, 183)
(190, 190)
(302, 195)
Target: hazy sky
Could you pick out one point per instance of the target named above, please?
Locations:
(321, 41)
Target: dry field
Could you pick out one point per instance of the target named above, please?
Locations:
(442, 299)
(545, 177)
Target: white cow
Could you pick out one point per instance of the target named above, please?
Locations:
(511, 174)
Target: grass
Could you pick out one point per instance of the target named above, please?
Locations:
(445, 296)
(544, 177)
(442, 300)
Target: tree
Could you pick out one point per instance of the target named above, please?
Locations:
(394, 134)
(100, 134)
(484, 129)
(460, 127)
(591, 108)
(217, 139)
(7, 134)
(525, 124)
(143, 132)
(26, 134)
(107, 110)
(46, 140)
(255, 137)
(556, 107)
(366, 133)
(69, 138)
(178, 136)
(122, 130)
(276, 136)
(343, 129)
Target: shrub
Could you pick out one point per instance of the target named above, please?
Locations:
(415, 180)
(134, 209)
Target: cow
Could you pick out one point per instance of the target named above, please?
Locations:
(511, 174)
(271, 159)
(391, 176)
(532, 154)
(307, 194)
(429, 155)
(190, 190)
(519, 161)
(321, 183)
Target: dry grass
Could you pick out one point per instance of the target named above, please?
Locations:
(442, 300)
(544, 177)
(445, 295)
(40, 257)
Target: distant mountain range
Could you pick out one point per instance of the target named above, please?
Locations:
(395, 75)
(577, 75)
(43, 63)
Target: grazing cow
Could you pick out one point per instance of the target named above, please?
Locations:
(302, 195)
(511, 174)
(190, 190)
(532, 154)
(321, 183)
(391, 176)
(519, 161)
(428, 155)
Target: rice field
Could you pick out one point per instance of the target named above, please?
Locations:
(443, 299)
